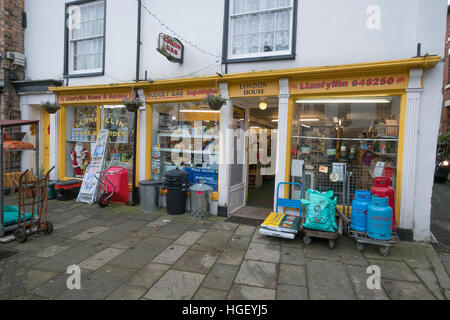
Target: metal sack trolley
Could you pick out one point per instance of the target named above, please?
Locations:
(362, 238)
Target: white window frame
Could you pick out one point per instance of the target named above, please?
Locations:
(71, 43)
(258, 54)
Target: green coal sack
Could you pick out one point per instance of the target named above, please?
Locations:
(320, 211)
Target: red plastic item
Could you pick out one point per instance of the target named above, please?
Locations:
(120, 182)
(382, 188)
(388, 172)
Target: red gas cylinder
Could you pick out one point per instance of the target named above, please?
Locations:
(382, 188)
(119, 178)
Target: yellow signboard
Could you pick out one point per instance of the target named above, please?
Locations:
(113, 97)
(254, 88)
(180, 94)
(350, 84)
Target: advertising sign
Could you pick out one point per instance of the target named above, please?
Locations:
(171, 48)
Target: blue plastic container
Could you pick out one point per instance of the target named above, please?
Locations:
(359, 210)
(379, 219)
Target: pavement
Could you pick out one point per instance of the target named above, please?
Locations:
(125, 253)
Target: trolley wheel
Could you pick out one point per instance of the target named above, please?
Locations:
(331, 243)
(384, 251)
(103, 201)
(48, 227)
(21, 235)
(307, 240)
(359, 247)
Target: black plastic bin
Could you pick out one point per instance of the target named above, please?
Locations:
(176, 184)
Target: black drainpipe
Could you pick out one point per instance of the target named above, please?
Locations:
(138, 62)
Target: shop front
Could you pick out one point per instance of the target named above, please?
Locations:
(329, 128)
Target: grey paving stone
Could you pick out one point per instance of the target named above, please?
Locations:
(51, 251)
(445, 259)
(295, 243)
(244, 230)
(263, 252)
(429, 279)
(373, 252)
(220, 277)
(172, 230)
(127, 292)
(414, 255)
(142, 253)
(292, 255)
(126, 242)
(175, 285)
(232, 257)
(201, 226)
(292, 274)
(319, 249)
(57, 285)
(243, 292)
(91, 233)
(257, 273)
(447, 294)
(197, 261)
(259, 238)
(347, 251)
(103, 257)
(394, 270)
(75, 219)
(209, 294)
(118, 232)
(35, 278)
(213, 240)
(238, 242)
(439, 270)
(225, 226)
(148, 275)
(188, 238)
(289, 292)
(359, 276)
(403, 290)
(328, 280)
(171, 254)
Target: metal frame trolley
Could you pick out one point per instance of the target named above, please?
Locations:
(362, 238)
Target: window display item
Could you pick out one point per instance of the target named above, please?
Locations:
(320, 211)
(379, 219)
(67, 190)
(382, 188)
(359, 210)
(80, 157)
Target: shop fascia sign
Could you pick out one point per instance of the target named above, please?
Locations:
(171, 48)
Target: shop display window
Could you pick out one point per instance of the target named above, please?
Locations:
(342, 144)
(81, 134)
(186, 136)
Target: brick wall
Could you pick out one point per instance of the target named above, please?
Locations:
(11, 39)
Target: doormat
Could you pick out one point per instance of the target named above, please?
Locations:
(245, 221)
(5, 254)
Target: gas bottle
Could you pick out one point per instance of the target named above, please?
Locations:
(359, 210)
(379, 219)
(382, 188)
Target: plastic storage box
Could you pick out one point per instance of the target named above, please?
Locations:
(67, 190)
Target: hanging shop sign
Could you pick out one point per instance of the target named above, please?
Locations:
(254, 88)
(238, 113)
(171, 48)
(94, 98)
(344, 84)
(181, 94)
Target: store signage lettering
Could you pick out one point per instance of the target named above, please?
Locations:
(91, 97)
(171, 48)
(238, 113)
(347, 84)
(85, 121)
(251, 89)
(181, 93)
(254, 89)
(115, 122)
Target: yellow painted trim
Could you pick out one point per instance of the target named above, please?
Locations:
(215, 196)
(400, 152)
(287, 176)
(148, 139)
(137, 148)
(46, 141)
(99, 119)
(62, 142)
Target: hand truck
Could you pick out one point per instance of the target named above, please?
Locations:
(362, 238)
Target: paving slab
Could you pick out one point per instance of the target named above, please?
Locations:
(328, 280)
(103, 257)
(431, 282)
(243, 292)
(35, 278)
(220, 277)
(414, 255)
(244, 230)
(171, 254)
(292, 274)
(263, 252)
(290, 292)
(404, 290)
(210, 294)
(257, 273)
(91, 233)
(213, 240)
(221, 225)
(319, 249)
(394, 270)
(238, 242)
(439, 270)
(175, 285)
(148, 275)
(57, 285)
(232, 257)
(127, 292)
(189, 238)
(171, 230)
(358, 276)
(126, 242)
(292, 255)
(259, 238)
(51, 251)
(197, 261)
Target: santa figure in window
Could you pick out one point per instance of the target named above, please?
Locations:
(80, 159)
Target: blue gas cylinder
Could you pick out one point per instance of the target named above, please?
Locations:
(359, 210)
(379, 219)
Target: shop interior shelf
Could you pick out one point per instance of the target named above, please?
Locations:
(187, 151)
(14, 150)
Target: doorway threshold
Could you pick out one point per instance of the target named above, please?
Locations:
(249, 215)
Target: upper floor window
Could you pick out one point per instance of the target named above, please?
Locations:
(260, 29)
(86, 36)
